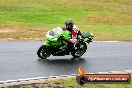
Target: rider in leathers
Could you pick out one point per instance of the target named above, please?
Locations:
(69, 26)
(74, 31)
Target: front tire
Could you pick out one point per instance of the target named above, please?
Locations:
(79, 52)
(43, 52)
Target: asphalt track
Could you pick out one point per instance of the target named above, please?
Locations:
(18, 60)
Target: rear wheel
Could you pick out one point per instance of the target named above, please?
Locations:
(79, 51)
(43, 52)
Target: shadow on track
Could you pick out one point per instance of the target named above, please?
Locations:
(63, 61)
(62, 66)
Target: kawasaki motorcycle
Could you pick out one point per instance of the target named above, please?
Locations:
(61, 48)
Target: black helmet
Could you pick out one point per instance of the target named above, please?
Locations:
(69, 25)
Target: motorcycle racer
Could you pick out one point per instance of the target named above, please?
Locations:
(70, 27)
(68, 40)
(73, 30)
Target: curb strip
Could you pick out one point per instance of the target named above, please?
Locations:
(46, 80)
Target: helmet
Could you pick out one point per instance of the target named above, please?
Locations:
(69, 24)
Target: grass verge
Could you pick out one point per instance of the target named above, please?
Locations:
(108, 20)
(72, 84)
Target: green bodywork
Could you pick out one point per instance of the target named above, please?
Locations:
(53, 41)
(89, 36)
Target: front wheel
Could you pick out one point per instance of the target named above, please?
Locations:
(78, 52)
(43, 52)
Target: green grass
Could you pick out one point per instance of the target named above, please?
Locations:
(71, 83)
(108, 20)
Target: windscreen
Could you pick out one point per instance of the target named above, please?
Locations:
(55, 31)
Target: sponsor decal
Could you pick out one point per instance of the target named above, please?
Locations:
(83, 78)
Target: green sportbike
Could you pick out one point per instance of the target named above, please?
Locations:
(57, 46)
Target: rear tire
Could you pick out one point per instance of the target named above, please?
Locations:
(79, 52)
(43, 52)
